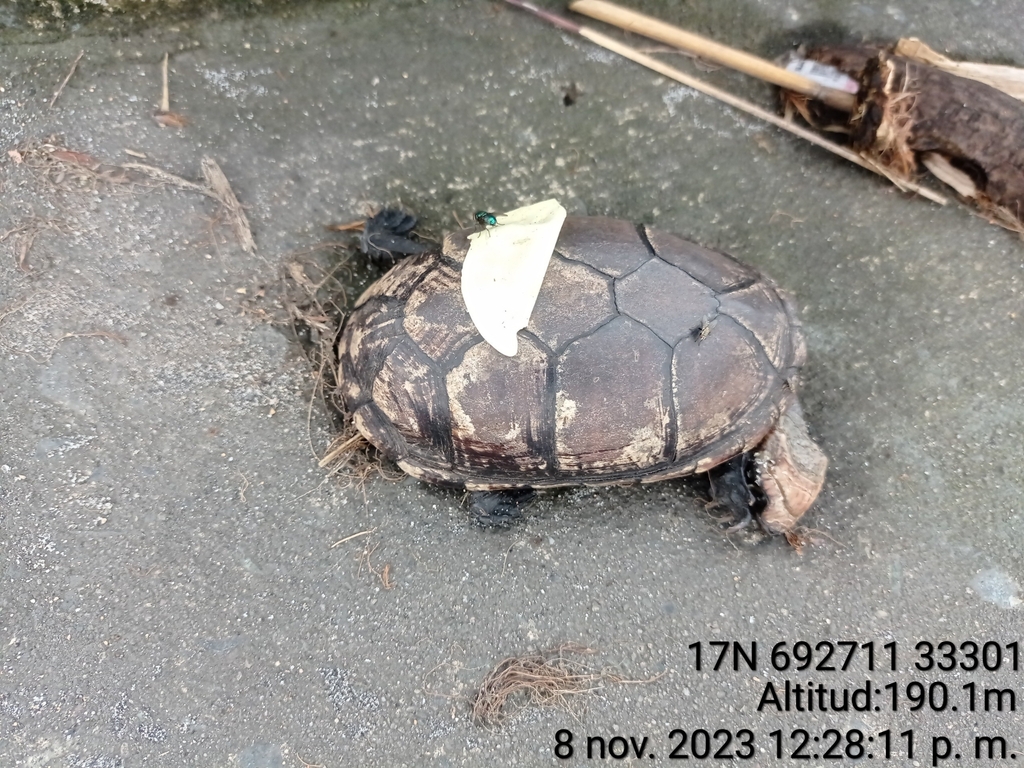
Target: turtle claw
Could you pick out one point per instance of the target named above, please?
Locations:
(742, 523)
(500, 509)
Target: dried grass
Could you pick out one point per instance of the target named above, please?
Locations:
(63, 167)
(892, 145)
(802, 537)
(548, 679)
(1002, 216)
(352, 460)
(797, 540)
(341, 449)
(314, 297)
(794, 103)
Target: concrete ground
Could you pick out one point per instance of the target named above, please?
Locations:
(171, 592)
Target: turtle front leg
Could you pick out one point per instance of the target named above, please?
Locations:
(790, 470)
(730, 490)
(385, 236)
(500, 509)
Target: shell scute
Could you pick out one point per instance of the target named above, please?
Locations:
(499, 410)
(399, 283)
(611, 246)
(719, 387)
(556, 321)
(370, 333)
(665, 299)
(410, 392)
(434, 317)
(759, 310)
(376, 427)
(718, 271)
(613, 410)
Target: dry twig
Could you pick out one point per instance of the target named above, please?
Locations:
(60, 89)
(163, 116)
(25, 236)
(352, 226)
(384, 574)
(20, 306)
(341, 449)
(55, 162)
(165, 93)
(166, 177)
(217, 186)
(385, 577)
(221, 189)
(339, 542)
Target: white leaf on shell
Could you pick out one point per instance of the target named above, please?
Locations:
(504, 270)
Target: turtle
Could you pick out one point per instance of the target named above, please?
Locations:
(647, 357)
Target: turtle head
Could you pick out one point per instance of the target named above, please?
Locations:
(790, 470)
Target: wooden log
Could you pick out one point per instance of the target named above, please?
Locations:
(969, 134)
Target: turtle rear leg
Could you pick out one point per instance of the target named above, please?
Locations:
(500, 509)
(731, 484)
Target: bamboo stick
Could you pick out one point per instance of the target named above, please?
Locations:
(632, 21)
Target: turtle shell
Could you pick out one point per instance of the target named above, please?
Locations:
(646, 357)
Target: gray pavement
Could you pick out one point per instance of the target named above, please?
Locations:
(170, 593)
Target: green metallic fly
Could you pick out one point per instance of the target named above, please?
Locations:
(486, 219)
